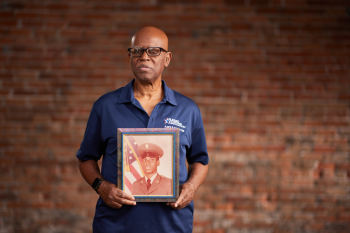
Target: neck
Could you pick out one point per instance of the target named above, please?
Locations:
(149, 90)
(149, 176)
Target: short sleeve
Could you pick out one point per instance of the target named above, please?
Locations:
(198, 150)
(91, 147)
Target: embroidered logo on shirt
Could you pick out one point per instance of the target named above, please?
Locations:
(174, 123)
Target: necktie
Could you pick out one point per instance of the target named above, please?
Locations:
(148, 184)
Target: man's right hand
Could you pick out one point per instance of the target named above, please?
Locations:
(113, 196)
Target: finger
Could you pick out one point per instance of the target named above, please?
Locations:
(125, 195)
(123, 201)
(119, 194)
(184, 204)
(186, 198)
(118, 203)
(115, 205)
(171, 204)
(125, 198)
(182, 196)
(126, 202)
(179, 200)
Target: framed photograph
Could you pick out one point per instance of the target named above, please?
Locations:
(148, 163)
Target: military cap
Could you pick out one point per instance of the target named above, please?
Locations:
(150, 149)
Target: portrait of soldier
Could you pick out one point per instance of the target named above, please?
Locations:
(152, 183)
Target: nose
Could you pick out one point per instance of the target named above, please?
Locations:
(144, 55)
(148, 160)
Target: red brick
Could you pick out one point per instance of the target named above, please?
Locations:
(271, 79)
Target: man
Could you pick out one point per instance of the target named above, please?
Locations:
(146, 102)
(152, 183)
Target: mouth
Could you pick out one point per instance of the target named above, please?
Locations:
(143, 68)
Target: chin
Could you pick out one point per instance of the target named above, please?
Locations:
(150, 172)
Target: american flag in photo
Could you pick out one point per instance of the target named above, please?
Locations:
(132, 167)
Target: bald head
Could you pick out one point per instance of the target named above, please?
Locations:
(150, 37)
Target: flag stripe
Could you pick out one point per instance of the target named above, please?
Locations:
(134, 172)
(133, 169)
(128, 184)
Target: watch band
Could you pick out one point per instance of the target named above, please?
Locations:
(96, 184)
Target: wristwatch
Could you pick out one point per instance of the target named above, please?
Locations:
(96, 184)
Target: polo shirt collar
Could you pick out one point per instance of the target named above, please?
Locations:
(169, 94)
(127, 94)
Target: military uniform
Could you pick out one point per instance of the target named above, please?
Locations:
(161, 185)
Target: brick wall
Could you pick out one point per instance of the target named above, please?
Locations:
(272, 79)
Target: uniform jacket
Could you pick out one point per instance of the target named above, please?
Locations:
(161, 186)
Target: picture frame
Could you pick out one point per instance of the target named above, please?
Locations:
(148, 163)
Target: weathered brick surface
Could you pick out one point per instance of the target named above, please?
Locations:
(272, 79)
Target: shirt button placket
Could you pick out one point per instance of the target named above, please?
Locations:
(149, 125)
(151, 121)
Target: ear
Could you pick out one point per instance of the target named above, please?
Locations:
(168, 58)
(128, 59)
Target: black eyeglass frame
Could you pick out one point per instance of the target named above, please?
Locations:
(146, 50)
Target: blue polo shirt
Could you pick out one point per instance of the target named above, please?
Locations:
(119, 109)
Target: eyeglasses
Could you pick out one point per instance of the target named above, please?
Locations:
(151, 51)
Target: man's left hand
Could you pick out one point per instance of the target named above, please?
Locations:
(187, 191)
